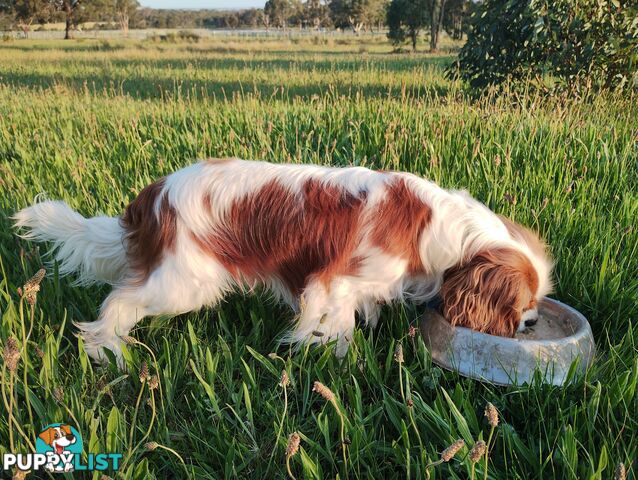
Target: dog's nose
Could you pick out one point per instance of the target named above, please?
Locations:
(531, 322)
(70, 437)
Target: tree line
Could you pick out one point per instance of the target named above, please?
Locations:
(25, 14)
(405, 19)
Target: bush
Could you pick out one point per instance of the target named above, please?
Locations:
(590, 43)
(176, 37)
(103, 26)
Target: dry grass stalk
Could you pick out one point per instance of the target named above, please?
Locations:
(324, 391)
(153, 382)
(144, 376)
(477, 452)
(491, 413)
(291, 450)
(293, 444)
(11, 354)
(620, 473)
(398, 353)
(285, 380)
(449, 453)
(32, 287)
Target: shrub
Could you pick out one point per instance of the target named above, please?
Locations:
(591, 43)
(175, 37)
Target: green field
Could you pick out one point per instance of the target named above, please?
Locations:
(92, 122)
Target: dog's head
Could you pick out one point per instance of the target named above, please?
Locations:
(497, 290)
(58, 437)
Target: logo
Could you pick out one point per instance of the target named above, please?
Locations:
(58, 449)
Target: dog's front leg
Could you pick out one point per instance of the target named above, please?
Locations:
(327, 313)
(371, 310)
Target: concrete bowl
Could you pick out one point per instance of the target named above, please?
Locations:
(561, 338)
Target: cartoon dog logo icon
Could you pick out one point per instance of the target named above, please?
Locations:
(58, 441)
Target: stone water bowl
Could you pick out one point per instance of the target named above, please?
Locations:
(561, 338)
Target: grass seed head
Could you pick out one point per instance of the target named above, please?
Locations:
(150, 446)
(509, 198)
(285, 381)
(32, 287)
(477, 452)
(11, 354)
(103, 387)
(129, 340)
(449, 452)
(58, 394)
(491, 414)
(20, 474)
(324, 391)
(293, 445)
(153, 382)
(398, 353)
(144, 372)
(620, 473)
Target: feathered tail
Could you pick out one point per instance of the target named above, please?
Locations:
(93, 247)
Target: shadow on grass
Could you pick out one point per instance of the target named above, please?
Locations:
(227, 47)
(140, 87)
(363, 64)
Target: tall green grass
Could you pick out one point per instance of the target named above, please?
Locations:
(93, 122)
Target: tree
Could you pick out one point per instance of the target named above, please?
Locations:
(69, 8)
(278, 12)
(28, 11)
(437, 11)
(296, 13)
(231, 21)
(124, 11)
(457, 13)
(580, 43)
(356, 14)
(376, 13)
(251, 17)
(316, 13)
(77, 12)
(405, 19)
(7, 14)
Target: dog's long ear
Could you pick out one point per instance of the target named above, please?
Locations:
(488, 292)
(66, 429)
(48, 435)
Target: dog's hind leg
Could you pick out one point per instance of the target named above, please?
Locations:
(119, 313)
(171, 289)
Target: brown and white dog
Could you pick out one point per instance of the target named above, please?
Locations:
(58, 438)
(328, 241)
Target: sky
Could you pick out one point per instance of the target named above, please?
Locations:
(216, 4)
